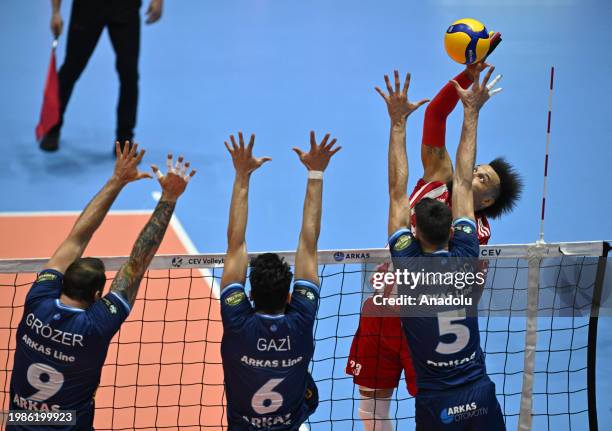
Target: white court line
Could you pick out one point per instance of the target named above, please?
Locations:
(180, 231)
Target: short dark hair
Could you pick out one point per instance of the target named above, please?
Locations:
(270, 282)
(433, 221)
(509, 191)
(83, 279)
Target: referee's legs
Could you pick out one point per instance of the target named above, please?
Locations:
(124, 31)
(86, 25)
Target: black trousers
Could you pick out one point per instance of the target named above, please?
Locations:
(87, 20)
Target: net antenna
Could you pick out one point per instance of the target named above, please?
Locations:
(545, 191)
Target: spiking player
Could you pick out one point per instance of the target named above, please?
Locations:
(454, 390)
(67, 325)
(266, 348)
(378, 353)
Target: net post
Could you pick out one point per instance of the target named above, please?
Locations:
(535, 253)
(592, 338)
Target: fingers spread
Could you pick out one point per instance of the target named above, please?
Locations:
(421, 102)
(324, 141)
(251, 143)
(335, 150)
(157, 172)
(169, 166)
(492, 84)
(389, 89)
(188, 177)
(379, 91)
(397, 81)
(488, 76)
(406, 84)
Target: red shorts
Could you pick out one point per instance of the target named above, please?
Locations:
(379, 353)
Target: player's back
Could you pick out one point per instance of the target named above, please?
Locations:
(444, 338)
(266, 358)
(61, 350)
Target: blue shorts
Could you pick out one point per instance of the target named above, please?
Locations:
(473, 407)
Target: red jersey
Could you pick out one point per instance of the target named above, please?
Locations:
(439, 191)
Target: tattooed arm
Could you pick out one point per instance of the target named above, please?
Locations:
(126, 171)
(130, 274)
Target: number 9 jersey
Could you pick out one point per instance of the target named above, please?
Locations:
(265, 360)
(61, 350)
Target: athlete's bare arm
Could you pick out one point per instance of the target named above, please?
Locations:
(236, 260)
(437, 164)
(173, 185)
(399, 108)
(126, 171)
(316, 160)
(473, 100)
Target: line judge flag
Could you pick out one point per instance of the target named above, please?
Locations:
(50, 110)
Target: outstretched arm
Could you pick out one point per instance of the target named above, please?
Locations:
(437, 164)
(399, 109)
(473, 100)
(316, 160)
(236, 259)
(92, 216)
(130, 274)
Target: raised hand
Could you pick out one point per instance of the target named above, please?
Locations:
(475, 97)
(319, 156)
(242, 157)
(154, 11)
(398, 105)
(126, 165)
(174, 183)
(474, 68)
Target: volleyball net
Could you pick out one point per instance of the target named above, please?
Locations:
(539, 315)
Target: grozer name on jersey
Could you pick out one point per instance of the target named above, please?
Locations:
(46, 331)
(276, 344)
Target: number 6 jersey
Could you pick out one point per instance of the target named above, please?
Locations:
(60, 351)
(266, 358)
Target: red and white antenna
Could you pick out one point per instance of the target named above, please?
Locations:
(545, 191)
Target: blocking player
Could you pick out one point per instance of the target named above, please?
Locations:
(267, 347)
(454, 390)
(378, 355)
(67, 324)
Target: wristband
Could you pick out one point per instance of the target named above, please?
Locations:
(315, 175)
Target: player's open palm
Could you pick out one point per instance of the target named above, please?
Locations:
(398, 105)
(175, 181)
(242, 157)
(126, 165)
(475, 97)
(319, 155)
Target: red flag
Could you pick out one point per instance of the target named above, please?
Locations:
(50, 110)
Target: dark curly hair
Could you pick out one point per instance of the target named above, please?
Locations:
(270, 282)
(510, 189)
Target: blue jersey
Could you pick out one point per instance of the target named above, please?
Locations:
(60, 350)
(266, 358)
(445, 348)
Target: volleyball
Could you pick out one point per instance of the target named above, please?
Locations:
(467, 41)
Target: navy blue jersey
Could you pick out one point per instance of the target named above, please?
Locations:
(445, 347)
(266, 358)
(467, 408)
(60, 350)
